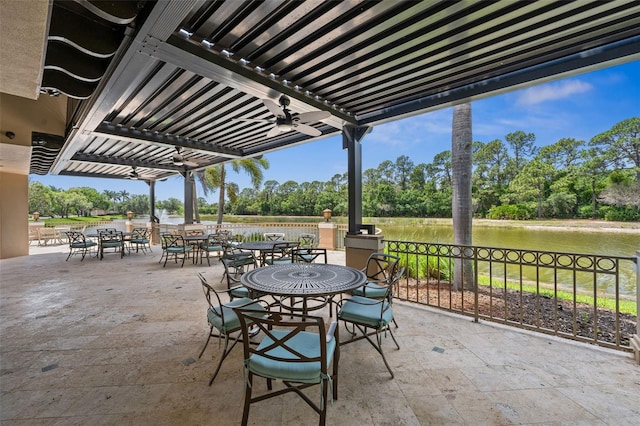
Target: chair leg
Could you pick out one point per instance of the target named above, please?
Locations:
(225, 353)
(324, 402)
(247, 399)
(379, 348)
(206, 343)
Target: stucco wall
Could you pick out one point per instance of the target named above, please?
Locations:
(14, 228)
(21, 117)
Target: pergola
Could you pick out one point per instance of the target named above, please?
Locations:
(147, 81)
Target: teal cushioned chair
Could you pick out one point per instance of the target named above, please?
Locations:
(381, 268)
(295, 349)
(213, 244)
(365, 317)
(110, 240)
(280, 254)
(223, 321)
(141, 238)
(174, 246)
(78, 244)
(234, 267)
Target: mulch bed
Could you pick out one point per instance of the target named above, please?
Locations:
(527, 309)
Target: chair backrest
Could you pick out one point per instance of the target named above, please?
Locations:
(381, 267)
(103, 230)
(307, 240)
(75, 237)
(212, 296)
(309, 255)
(394, 281)
(171, 240)
(194, 232)
(281, 251)
(140, 233)
(235, 266)
(273, 236)
(281, 329)
(223, 234)
(214, 240)
(110, 236)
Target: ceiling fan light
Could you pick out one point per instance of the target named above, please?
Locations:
(285, 127)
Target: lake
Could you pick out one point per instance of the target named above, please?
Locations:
(558, 239)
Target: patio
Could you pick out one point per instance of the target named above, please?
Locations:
(116, 342)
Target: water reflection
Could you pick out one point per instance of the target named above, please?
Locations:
(574, 241)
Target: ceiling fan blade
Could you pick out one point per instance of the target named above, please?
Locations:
(273, 107)
(188, 163)
(307, 130)
(275, 131)
(307, 117)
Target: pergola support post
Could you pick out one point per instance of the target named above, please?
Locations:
(351, 137)
(188, 198)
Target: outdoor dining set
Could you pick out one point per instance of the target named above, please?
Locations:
(282, 303)
(108, 239)
(267, 308)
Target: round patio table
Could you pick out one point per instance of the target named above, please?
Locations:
(304, 280)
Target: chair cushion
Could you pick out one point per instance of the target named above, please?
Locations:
(279, 261)
(231, 321)
(363, 310)
(304, 342)
(371, 290)
(239, 291)
(211, 248)
(140, 240)
(179, 249)
(83, 245)
(110, 244)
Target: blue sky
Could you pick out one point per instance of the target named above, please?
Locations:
(579, 107)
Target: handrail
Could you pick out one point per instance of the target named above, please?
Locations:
(532, 289)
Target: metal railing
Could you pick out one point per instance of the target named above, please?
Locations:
(577, 296)
(254, 231)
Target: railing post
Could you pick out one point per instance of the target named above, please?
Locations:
(635, 339)
(327, 232)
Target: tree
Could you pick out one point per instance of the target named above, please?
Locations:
(40, 198)
(216, 178)
(621, 145)
(521, 144)
(490, 177)
(403, 167)
(98, 200)
(461, 161)
(172, 205)
(442, 163)
(68, 201)
(112, 196)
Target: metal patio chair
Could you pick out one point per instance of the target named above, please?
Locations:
(223, 321)
(297, 351)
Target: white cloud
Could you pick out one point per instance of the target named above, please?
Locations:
(553, 91)
(414, 130)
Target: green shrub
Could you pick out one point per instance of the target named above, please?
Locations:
(622, 214)
(510, 212)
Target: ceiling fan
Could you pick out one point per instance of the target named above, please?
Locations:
(286, 121)
(133, 175)
(178, 159)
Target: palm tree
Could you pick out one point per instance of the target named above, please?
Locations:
(216, 178)
(461, 161)
(112, 196)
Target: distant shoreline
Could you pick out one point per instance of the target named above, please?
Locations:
(583, 225)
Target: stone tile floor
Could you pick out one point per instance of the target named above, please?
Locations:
(116, 341)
